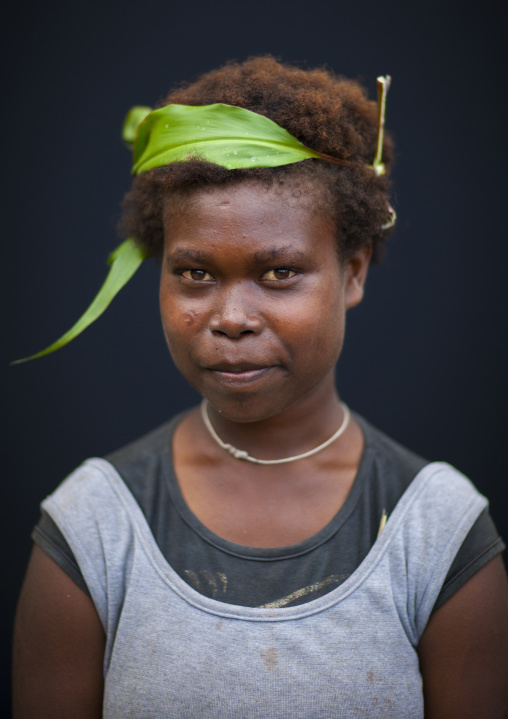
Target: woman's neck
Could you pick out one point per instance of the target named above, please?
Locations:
(298, 428)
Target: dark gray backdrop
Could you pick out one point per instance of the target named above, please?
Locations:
(425, 355)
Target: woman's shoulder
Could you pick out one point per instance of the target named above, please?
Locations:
(146, 448)
(99, 483)
(387, 469)
(391, 469)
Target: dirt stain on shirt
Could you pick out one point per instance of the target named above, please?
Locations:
(270, 657)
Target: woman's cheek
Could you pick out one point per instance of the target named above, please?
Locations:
(190, 318)
(180, 329)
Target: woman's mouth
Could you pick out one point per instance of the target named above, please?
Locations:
(239, 374)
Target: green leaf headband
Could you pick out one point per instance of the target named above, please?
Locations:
(226, 135)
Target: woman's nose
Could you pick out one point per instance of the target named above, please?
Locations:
(233, 315)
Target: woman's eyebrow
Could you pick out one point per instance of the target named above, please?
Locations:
(284, 252)
(183, 254)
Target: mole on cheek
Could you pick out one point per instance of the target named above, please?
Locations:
(189, 318)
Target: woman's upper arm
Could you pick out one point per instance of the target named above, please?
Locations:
(464, 650)
(58, 647)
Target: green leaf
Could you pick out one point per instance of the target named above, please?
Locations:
(124, 262)
(130, 125)
(223, 134)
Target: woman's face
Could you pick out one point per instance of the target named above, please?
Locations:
(253, 297)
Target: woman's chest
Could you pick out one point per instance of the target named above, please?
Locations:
(269, 511)
(265, 506)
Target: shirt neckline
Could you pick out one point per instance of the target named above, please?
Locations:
(262, 614)
(268, 554)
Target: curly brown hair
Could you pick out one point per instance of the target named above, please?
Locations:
(326, 112)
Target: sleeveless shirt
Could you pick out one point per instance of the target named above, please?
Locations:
(172, 652)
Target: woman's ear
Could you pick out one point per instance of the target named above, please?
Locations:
(355, 274)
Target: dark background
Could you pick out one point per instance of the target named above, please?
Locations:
(425, 355)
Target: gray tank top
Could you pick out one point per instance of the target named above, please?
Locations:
(172, 652)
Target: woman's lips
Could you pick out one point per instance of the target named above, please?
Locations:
(238, 375)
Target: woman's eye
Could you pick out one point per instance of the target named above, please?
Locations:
(281, 273)
(197, 275)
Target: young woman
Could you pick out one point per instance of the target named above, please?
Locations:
(269, 553)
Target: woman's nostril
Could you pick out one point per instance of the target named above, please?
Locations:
(234, 322)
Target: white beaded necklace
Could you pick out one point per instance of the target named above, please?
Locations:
(242, 454)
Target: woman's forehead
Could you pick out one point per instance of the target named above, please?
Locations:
(262, 226)
(293, 191)
(251, 203)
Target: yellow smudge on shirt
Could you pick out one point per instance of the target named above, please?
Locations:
(316, 587)
(382, 523)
